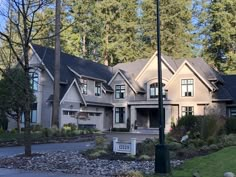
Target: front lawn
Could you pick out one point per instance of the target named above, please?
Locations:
(213, 165)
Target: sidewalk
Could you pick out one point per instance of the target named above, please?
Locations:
(21, 173)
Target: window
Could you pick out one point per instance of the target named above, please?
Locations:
(69, 113)
(187, 87)
(119, 115)
(97, 89)
(154, 90)
(34, 80)
(233, 112)
(119, 91)
(84, 86)
(187, 110)
(33, 114)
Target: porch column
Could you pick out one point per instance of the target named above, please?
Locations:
(133, 117)
(167, 118)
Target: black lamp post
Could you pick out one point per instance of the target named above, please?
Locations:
(162, 159)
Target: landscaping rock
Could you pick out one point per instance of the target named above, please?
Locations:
(229, 174)
(72, 162)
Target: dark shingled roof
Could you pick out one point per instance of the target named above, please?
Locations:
(222, 94)
(230, 85)
(86, 68)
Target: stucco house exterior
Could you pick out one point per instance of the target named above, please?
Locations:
(102, 97)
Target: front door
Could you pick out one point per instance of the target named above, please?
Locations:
(154, 121)
(153, 117)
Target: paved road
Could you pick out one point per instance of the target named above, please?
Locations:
(22, 173)
(80, 146)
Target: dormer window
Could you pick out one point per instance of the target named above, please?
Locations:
(97, 89)
(84, 86)
(120, 91)
(154, 90)
(187, 87)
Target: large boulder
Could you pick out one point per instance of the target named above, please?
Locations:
(229, 174)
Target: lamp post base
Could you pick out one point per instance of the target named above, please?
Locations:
(162, 159)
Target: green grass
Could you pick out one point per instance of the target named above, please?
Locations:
(213, 165)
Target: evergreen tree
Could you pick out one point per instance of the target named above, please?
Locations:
(219, 42)
(118, 29)
(176, 27)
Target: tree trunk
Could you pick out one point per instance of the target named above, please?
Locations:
(18, 116)
(84, 45)
(56, 89)
(27, 131)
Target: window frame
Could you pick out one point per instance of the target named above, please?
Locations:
(156, 91)
(33, 109)
(232, 112)
(121, 112)
(98, 88)
(34, 80)
(119, 91)
(185, 111)
(84, 86)
(187, 87)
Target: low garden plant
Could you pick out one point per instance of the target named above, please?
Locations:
(44, 135)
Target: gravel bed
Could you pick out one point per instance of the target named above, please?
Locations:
(73, 162)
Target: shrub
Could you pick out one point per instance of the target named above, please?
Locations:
(4, 123)
(199, 126)
(36, 128)
(144, 157)
(197, 142)
(133, 174)
(72, 126)
(174, 146)
(213, 147)
(228, 140)
(97, 153)
(1, 131)
(100, 141)
(147, 147)
(14, 131)
(230, 125)
(211, 126)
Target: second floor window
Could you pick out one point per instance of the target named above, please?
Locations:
(187, 87)
(187, 110)
(154, 90)
(84, 86)
(34, 80)
(97, 90)
(119, 91)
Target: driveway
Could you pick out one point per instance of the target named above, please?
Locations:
(80, 146)
(126, 136)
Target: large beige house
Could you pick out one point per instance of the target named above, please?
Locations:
(102, 97)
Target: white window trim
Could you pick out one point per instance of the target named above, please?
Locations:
(68, 109)
(95, 87)
(125, 94)
(193, 88)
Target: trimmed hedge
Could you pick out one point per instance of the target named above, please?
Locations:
(230, 125)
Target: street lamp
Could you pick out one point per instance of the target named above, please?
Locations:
(162, 159)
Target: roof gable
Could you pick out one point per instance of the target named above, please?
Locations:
(194, 71)
(71, 92)
(152, 66)
(123, 77)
